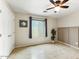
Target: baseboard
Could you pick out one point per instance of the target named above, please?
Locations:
(20, 46)
(3, 57)
(68, 45)
(49, 42)
(6, 56)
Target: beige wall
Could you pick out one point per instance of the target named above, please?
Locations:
(69, 21)
(6, 28)
(22, 34)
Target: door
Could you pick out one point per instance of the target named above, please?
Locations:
(66, 35)
(60, 34)
(73, 36)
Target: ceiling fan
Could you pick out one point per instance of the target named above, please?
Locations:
(58, 4)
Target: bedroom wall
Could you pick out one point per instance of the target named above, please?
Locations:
(71, 20)
(22, 34)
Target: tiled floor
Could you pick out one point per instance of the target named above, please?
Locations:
(45, 51)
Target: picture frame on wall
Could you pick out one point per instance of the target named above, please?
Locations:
(23, 23)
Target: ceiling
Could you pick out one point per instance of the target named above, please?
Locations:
(37, 7)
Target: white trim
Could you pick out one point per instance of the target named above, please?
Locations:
(3, 57)
(24, 45)
(68, 45)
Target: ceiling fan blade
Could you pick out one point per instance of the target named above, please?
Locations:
(64, 1)
(52, 2)
(64, 6)
(50, 8)
(44, 11)
(58, 2)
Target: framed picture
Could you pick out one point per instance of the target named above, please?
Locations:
(23, 23)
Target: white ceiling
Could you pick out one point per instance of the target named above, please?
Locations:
(37, 7)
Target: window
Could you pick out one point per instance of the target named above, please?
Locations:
(38, 28)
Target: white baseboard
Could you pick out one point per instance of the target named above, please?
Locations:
(24, 45)
(3, 57)
(68, 45)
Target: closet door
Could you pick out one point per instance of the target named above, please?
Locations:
(8, 36)
(60, 34)
(1, 36)
(65, 34)
(3, 32)
(73, 36)
(6, 17)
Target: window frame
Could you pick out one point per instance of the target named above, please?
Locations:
(30, 26)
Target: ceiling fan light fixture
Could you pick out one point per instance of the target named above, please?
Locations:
(55, 0)
(57, 9)
(58, 4)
